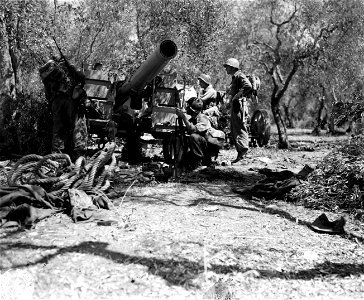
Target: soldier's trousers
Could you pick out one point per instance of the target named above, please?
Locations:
(64, 115)
(198, 147)
(238, 123)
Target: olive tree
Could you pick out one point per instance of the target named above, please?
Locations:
(284, 37)
(195, 26)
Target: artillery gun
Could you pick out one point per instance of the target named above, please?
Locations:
(144, 104)
(139, 104)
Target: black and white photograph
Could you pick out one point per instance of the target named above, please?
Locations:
(181, 149)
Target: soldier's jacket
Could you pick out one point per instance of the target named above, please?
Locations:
(72, 78)
(60, 77)
(240, 83)
(200, 124)
(240, 89)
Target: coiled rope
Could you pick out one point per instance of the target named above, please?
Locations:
(56, 173)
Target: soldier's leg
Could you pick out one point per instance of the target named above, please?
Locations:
(58, 126)
(198, 147)
(69, 121)
(240, 135)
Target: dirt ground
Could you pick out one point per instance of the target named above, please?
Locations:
(192, 239)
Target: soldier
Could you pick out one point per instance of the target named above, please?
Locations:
(208, 97)
(64, 91)
(240, 89)
(200, 150)
(208, 94)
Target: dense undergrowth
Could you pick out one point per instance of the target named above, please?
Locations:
(337, 183)
(28, 124)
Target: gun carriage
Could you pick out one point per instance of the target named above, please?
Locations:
(142, 104)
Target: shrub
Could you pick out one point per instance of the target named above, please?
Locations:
(28, 124)
(337, 182)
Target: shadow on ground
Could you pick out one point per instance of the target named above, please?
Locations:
(182, 271)
(231, 178)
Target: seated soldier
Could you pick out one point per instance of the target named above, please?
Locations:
(208, 93)
(208, 96)
(200, 151)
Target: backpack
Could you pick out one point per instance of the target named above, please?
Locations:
(215, 137)
(255, 82)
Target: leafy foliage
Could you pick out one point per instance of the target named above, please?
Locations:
(337, 182)
(344, 112)
(196, 27)
(317, 41)
(28, 126)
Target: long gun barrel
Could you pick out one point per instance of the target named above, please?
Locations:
(153, 65)
(155, 62)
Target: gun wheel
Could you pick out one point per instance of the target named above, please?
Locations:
(260, 127)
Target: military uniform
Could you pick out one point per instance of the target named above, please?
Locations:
(200, 150)
(64, 93)
(197, 141)
(240, 88)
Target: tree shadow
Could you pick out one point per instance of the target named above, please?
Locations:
(232, 177)
(181, 271)
(270, 210)
(289, 217)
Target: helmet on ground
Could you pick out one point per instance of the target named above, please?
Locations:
(195, 103)
(205, 78)
(232, 62)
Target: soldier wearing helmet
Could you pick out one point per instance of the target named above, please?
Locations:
(240, 89)
(208, 96)
(208, 93)
(200, 152)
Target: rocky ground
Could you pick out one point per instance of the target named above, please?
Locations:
(193, 238)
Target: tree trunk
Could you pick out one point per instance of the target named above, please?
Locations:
(283, 142)
(14, 20)
(317, 129)
(331, 97)
(7, 77)
(287, 115)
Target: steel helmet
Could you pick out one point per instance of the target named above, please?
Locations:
(232, 62)
(205, 78)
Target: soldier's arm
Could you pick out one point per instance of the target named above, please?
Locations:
(209, 94)
(245, 86)
(191, 128)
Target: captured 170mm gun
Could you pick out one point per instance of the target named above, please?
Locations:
(124, 99)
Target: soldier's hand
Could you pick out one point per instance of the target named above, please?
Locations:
(180, 112)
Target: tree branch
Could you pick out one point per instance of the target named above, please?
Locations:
(284, 22)
(94, 41)
(279, 74)
(278, 30)
(288, 80)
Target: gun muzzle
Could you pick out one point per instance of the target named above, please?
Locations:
(153, 65)
(155, 62)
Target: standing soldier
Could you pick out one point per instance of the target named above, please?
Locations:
(240, 88)
(64, 91)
